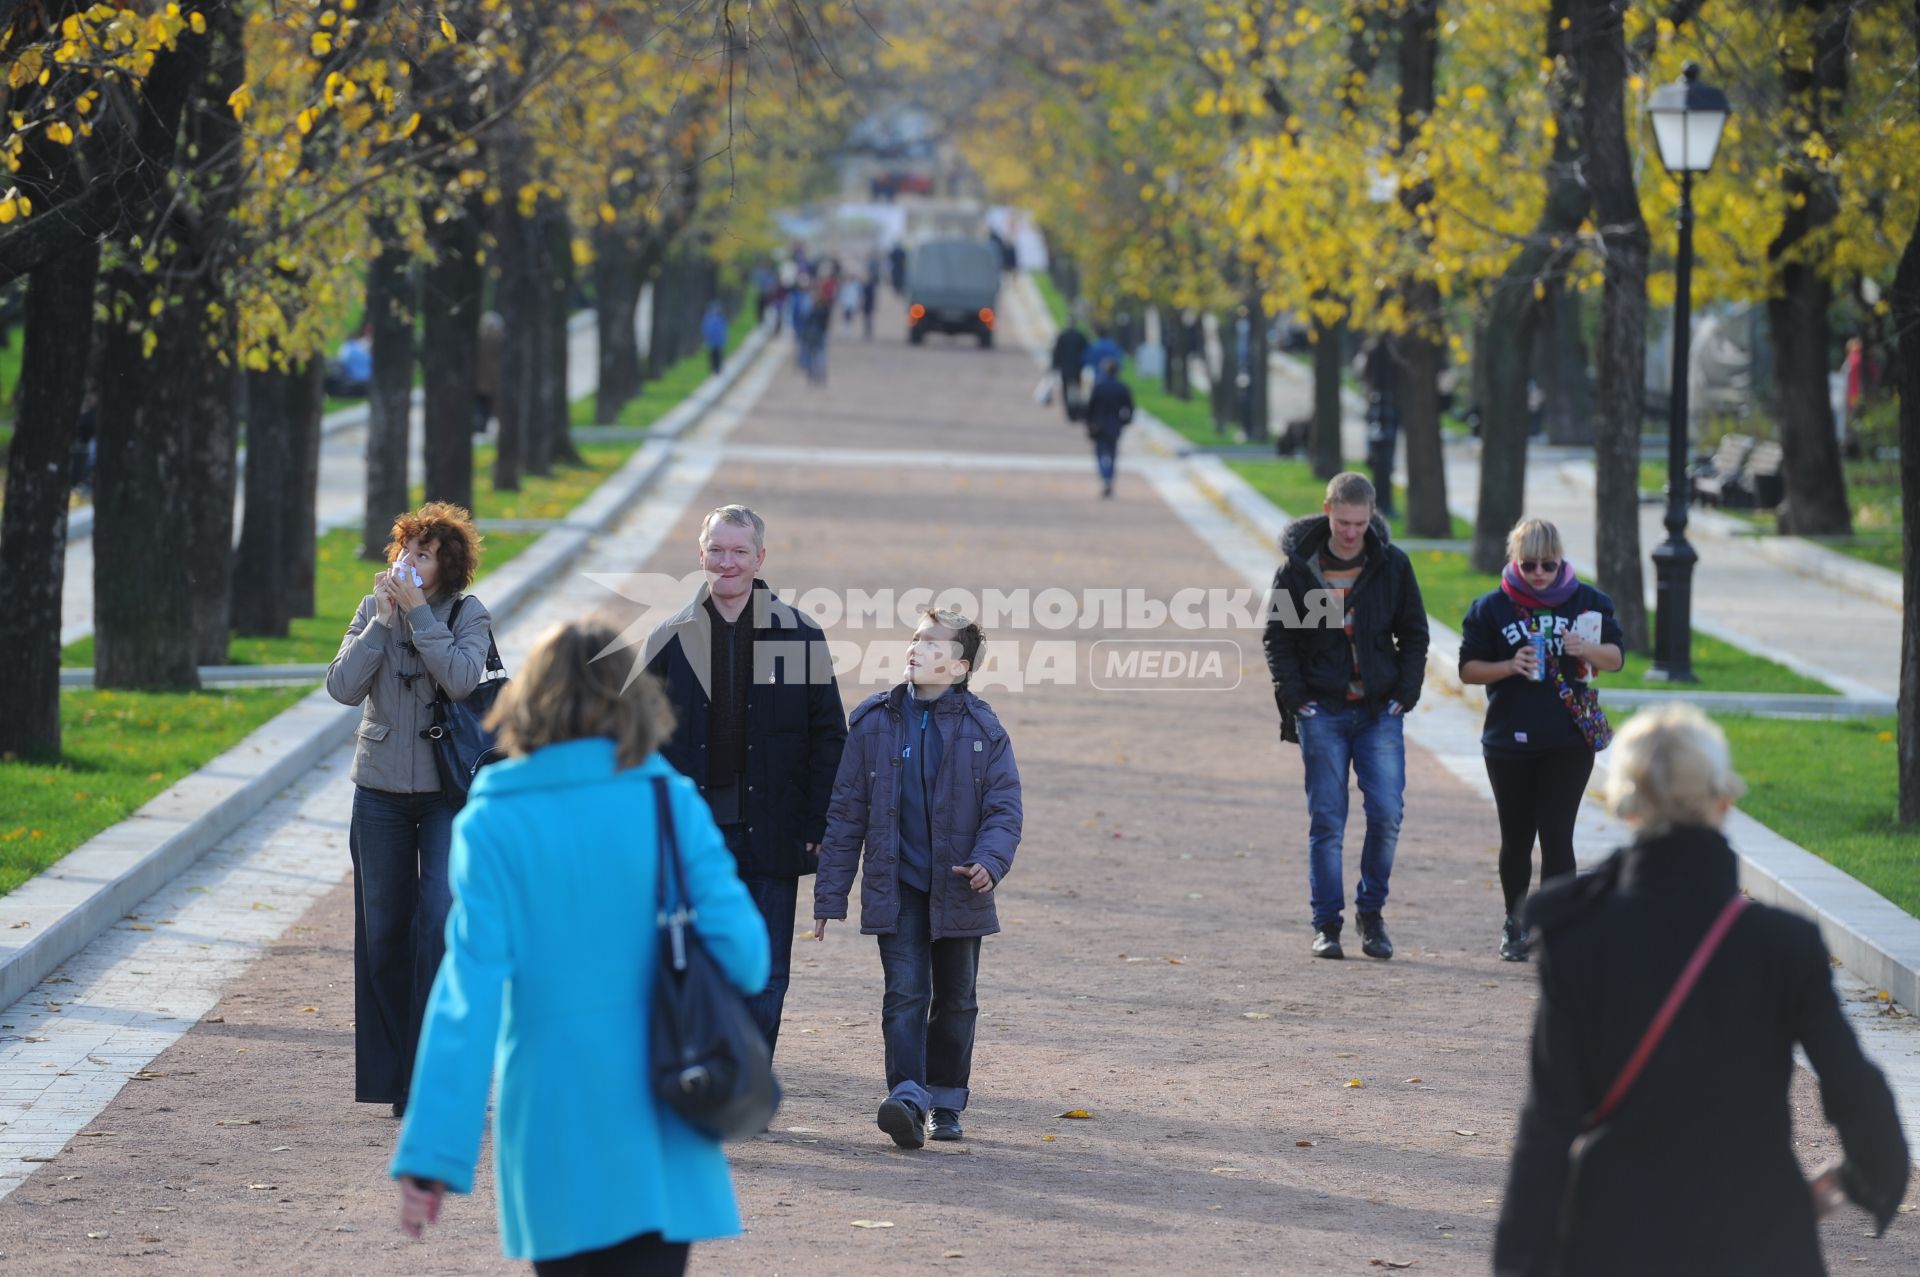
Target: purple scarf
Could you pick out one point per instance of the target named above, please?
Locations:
(1553, 596)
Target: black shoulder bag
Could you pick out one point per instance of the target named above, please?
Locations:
(709, 1062)
(462, 745)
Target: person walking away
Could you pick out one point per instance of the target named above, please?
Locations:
(869, 294)
(1543, 726)
(1069, 362)
(1346, 642)
(1691, 1168)
(404, 643)
(713, 335)
(815, 329)
(852, 299)
(550, 967)
(1109, 410)
(929, 788)
(761, 728)
(1104, 347)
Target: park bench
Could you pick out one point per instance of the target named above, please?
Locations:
(1762, 486)
(1722, 471)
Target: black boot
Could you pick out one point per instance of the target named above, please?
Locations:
(904, 1121)
(1373, 937)
(1326, 941)
(946, 1124)
(1513, 941)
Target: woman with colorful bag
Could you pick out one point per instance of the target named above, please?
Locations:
(1544, 721)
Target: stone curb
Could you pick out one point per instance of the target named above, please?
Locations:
(73, 900)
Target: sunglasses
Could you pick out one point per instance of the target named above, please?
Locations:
(1539, 565)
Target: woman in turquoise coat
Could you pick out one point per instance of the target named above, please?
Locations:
(551, 949)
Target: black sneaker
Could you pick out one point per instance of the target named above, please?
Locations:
(946, 1124)
(904, 1121)
(1513, 941)
(1373, 936)
(1326, 942)
(399, 1108)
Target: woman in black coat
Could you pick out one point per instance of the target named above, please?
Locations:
(1695, 1172)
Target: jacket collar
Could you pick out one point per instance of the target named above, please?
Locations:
(567, 765)
(1303, 538)
(768, 610)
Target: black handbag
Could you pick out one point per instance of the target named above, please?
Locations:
(462, 745)
(709, 1062)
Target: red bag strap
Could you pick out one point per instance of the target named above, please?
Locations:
(1677, 995)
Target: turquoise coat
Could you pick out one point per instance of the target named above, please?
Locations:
(550, 960)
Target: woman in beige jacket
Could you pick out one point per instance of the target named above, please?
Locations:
(396, 653)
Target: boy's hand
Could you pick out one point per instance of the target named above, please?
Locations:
(820, 928)
(977, 877)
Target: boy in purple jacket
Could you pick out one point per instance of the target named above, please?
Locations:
(929, 788)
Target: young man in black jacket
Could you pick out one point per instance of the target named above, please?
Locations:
(1346, 644)
(759, 727)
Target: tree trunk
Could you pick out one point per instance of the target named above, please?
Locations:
(306, 403)
(1259, 389)
(518, 266)
(1815, 80)
(143, 611)
(556, 412)
(392, 297)
(1906, 322)
(617, 283)
(1562, 356)
(1419, 350)
(1226, 386)
(262, 584)
(1329, 413)
(449, 355)
(33, 527)
(1599, 48)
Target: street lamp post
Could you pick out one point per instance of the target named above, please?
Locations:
(1688, 117)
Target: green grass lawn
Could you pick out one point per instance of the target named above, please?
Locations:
(1844, 810)
(658, 398)
(122, 748)
(540, 496)
(1872, 486)
(1291, 485)
(1050, 294)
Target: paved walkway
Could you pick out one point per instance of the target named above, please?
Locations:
(1153, 970)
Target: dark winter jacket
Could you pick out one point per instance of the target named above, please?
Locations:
(795, 725)
(976, 815)
(1307, 650)
(1109, 408)
(1524, 716)
(1695, 1172)
(1069, 353)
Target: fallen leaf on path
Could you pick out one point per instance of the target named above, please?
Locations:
(238, 1121)
(1303, 1143)
(95, 1135)
(1075, 1113)
(308, 1010)
(1415, 1081)
(1256, 1015)
(53, 1006)
(262, 1188)
(215, 1019)
(139, 926)
(1176, 962)
(167, 1209)
(802, 1130)
(1391, 1263)
(284, 1148)
(1226, 1170)
(94, 1059)
(35, 1157)
(1904, 1210)
(1048, 1139)
(145, 1075)
(17, 925)
(1354, 1084)
(96, 1236)
(873, 1223)
(953, 1254)
(258, 905)
(1489, 984)
(1462, 1131)
(148, 1237)
(1346, 1055)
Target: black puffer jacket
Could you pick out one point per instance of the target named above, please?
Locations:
(1307, 650)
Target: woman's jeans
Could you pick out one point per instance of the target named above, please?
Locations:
(928, 1015)
(1372, 743)
(401, 895)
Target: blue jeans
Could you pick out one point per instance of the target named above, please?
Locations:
(1106, 452)
(401, 894)
(927, 1017)
(1373, 743)
(776, 899)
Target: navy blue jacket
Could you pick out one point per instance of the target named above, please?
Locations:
(1524, 716)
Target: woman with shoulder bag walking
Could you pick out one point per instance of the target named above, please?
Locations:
(414, 634)
(1535, 643)
(1657, 1138)
(552, 956)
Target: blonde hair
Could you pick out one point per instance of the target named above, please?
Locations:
(1671, 767)
(1534, 539)
(564, 692)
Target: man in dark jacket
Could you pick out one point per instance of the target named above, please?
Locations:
(1346, 644)
(1109, 410)
(760, 727)
(1069, 362)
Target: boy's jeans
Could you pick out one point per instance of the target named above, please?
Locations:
(1373, 743)
(928, 1016)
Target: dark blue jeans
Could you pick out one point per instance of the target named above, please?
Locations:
(776, 899)
(1372, 744)
(399, 844)
(928, 1015)
(1106, 453)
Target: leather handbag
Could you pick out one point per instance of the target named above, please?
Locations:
(709, 1063)
(462, 745)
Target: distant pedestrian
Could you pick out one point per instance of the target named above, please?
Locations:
(550, 965)
(814, 331)
(928, 787)
(1069, 364)
(869, 293)
(1682, 1161)
(1346, 644)
(713, 335)
(1104, 347)
(1543, 723)
(897, 268)
(350, 373)
(486, 369)
(397, 652)
(852, 292)
(1109, 411)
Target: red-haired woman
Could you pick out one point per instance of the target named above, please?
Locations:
(396, 653)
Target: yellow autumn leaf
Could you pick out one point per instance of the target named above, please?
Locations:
(239, 100)
(446, 29)
(321, 44)
(1075, 1113)
(198, 23)
(1354, 1084)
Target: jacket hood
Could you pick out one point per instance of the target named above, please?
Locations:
(1304, 537)
(587, 761)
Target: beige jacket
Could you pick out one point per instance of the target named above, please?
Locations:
(390, 671)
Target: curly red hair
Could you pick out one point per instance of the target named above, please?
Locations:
(449, 529)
